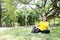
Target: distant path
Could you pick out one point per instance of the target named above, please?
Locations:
(4, 28)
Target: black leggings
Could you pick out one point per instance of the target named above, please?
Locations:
(37, 30)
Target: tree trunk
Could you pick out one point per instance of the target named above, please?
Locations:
(0, 15)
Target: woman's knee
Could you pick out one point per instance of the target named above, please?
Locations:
(46, 31)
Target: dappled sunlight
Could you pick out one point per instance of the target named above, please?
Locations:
(23, 33)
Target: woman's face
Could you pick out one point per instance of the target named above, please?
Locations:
(44, 18)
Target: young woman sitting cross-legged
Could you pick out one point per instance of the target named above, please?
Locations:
(42, 26)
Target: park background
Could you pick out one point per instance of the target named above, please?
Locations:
(18, 17)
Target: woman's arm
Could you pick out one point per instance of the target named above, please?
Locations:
(37, 25)
(48, 26)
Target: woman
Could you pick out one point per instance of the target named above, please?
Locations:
(41, 26)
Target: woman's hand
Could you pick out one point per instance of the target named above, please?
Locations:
(36, 25)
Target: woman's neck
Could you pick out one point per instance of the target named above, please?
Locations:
(44, 21)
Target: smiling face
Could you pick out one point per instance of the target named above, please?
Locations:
(44, 18)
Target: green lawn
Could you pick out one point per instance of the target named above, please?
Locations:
(24, 33)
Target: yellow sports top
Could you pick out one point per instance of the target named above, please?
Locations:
(43, 25)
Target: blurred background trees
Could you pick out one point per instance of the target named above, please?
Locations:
(28, 12)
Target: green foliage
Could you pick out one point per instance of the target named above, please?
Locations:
(32, 17)
(21, 18)
(8, 15)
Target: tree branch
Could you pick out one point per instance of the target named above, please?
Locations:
(45, 1)
(36, 5)
(35, 10)
(48, 12)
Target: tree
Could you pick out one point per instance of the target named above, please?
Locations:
(56, 7)
(0, 12)
(9, 15)
(52, 5)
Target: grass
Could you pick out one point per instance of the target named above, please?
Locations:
(24, 33)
